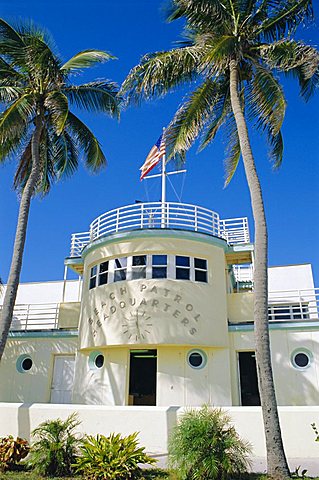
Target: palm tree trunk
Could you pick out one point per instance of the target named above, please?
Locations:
(16, 263)
(276, 459)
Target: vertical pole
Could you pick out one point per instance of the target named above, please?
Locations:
(163, 200)
(64, 282)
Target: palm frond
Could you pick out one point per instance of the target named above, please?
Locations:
(232, 151)
(191, 118)
(15, 118)
(87, 142)
(266, 100)
(9, 34)
(219, 115)
(98, 96)
(285, 18)
(159, 72)
(276, 145)
(87, 58)
(57, 106)
(9, 93)
(202, 14)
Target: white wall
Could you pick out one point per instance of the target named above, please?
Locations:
(47, 292)
(154, 424)
(290, 277)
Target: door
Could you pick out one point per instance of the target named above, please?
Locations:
(248, 379)
(62, 380)
(142, 384)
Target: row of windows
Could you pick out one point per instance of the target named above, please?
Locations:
(177, 267)
(292, 311)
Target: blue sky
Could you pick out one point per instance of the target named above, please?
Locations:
(128, 29)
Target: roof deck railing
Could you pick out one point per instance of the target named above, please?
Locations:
(158, 215)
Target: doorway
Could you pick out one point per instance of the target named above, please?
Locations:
(248, 379)
(62, 380)
(142, 381)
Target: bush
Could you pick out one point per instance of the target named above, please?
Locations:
(12, 451)
(205, 446)
(110, 458)
(55, 448)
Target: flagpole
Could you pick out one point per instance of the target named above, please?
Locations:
(163, 200)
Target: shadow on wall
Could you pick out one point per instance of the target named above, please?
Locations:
(24, 426)
(297, 386)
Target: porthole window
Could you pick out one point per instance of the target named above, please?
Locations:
(301, 359)
(96, 360)
(197, 359)
(24, 363)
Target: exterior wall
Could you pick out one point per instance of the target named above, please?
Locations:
(34, 385)
(180, 312)
(290, 277)
(154, 425)
(240, 307)
(293, 386)
(47, 292)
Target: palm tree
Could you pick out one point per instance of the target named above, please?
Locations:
(38, 128)
(232, 50)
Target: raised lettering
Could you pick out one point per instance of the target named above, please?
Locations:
(122, 304)
(112, 296)
(196, 318)
(177, 298)
(154, 289)
(122, 290)
(112, 309)
(143, 302)
(189, 307)
(132, 301)
(176, 314)
(185, 321)
(166, 292)
(192, 331)
(155, 303)
(166, 307)
(142, 287)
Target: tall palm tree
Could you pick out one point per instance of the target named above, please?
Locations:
(38, 128)
(232, 50)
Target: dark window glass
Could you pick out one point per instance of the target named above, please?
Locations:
(104, 267)
(99, 361)
(159, 272)
(139, 260)
(119, 275)
(93, 271)
(200, 276)
(195, 359)
(200, 263)
(159, 260)
(26, 364)
(103, 278)
(301, 360)
(182, 273)
(282, 313)
(182, 261)
(92, 282)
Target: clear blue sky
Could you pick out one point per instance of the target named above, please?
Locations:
(128, 29)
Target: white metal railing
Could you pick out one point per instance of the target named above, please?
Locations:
(294, 305)
(157, 215)
(243, 273)
(35, 316)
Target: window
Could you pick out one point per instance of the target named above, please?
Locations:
(196, 359)
(301, 358)
(147, 266)
(159, 266)
(99, 361)
(294, 311)
(24, 363)
(93, 277)
(120, 267)
(138, 267)
(96, 360)
(200, 266)
(103, 273)
(182, 268)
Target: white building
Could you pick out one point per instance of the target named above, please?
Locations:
(163, 316)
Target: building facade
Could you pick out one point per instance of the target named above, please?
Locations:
(162, 314)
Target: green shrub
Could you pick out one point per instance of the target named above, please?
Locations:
(12, 451)
(204, 446)
(110, 458)
(55, 448)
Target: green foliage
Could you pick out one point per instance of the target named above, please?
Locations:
(204, 446)
(111, 458)
(314, 428)
(12, 451)
(56, 446)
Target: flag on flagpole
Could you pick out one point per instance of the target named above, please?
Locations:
(156, 154)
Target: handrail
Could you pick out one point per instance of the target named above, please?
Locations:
(155, 215)
(42, 316)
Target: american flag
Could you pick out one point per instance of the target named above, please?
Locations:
(155, 155)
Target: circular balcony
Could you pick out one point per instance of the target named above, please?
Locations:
(157, 215)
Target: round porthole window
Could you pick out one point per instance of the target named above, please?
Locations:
(301, 359)
(196, 359)
(24, 363)
(96, 360)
